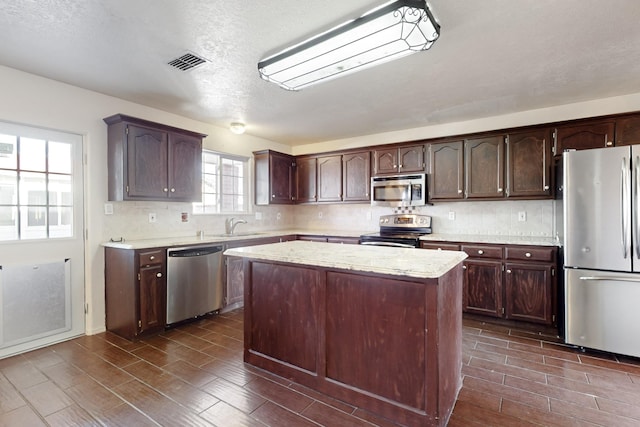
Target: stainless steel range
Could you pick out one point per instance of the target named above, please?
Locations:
(399, 230)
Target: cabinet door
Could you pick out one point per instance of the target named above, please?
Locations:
(146, 163)
(484, 167)
(185, 168)
(356, 176)
(529, 164)
(235, 281)
(482, 287)
(152, 297)
(411, 159)
(581, 137)
(385, 161)
(447, 170)
(281, 178)
(330, 178)
(306, 180)
(528, 292)
(628, 131)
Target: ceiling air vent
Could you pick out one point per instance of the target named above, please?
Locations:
(187, 62)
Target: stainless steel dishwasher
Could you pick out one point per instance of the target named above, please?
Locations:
(194, 281)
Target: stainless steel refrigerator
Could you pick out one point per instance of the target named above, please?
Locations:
(602, 249)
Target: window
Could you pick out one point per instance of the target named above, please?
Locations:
(36, 190)
(224, 184)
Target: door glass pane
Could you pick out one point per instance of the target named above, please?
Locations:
(60, 221)
(8, 187)
(33, 222)
(8, 223)
(60, 190)
(33, 154)
(60, 157)
(33, 188)
(8, 151)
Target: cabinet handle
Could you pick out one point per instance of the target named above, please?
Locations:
(166, 190)
(480, 252)
(152, 257)
(173, 190)
(158, 274)
(528, 254)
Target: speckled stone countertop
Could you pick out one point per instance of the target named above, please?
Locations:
(495, 239)
(408, 262)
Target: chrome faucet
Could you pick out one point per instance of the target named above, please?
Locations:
(231, 223)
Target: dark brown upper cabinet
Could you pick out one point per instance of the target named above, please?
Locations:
(306, 179)
(529, 164)
(484, 167)
(356, 176)
(151, 161)
(628, 130)
(330, 178)
(446, 170)
(597, 134)
(404, 159)
(274, 178)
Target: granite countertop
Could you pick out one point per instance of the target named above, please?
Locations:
(220, 238)
(495, 239)
(408, 262)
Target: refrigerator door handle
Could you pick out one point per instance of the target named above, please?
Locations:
(625, 193)
(636, 208)
(615, 278)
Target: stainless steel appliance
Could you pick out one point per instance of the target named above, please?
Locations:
(194, 282)
(399, 230)
(602, 249)
(399, 190)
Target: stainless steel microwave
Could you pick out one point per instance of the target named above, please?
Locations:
(399, 190)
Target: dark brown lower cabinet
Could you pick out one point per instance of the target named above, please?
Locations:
(135, 291)
(511, 282)
(387, 344)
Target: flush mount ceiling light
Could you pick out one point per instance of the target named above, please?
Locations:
(237, 128)
(391, 31)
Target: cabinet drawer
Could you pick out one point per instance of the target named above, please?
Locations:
(440, 246)
(483, 251)
(530, 254)
(155, 256)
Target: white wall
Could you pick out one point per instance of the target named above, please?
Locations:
(35, 101)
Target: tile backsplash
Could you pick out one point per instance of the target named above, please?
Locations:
(130, 220)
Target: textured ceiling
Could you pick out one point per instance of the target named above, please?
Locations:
(493, 57)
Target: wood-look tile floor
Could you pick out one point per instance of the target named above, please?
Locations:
(193, 375)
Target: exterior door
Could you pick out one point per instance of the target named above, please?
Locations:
(41, 238)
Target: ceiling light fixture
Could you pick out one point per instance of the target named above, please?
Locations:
(393, 30)
(237, 128)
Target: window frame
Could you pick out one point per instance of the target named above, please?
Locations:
(202, 208)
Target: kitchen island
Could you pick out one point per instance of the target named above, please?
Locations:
(377, 327)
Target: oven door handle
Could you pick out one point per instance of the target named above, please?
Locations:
(392, 244)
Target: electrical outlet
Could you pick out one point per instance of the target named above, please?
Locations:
(522, 216)
(152, 217)
(278, 216)
(108, 209)
(452, 216)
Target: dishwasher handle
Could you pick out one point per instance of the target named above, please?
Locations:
(193, 252)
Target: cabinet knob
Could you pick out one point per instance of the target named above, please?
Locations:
(528, 254)
(459, 191)
(173, 190)
(273, 196)
(158, 274)
(499, 190)
(401, 166)
(609, 143)
(395, 166)
(166, 190)
(546, 187)
(464, 267)
(480, 251)
(152, 257)
(509, 271)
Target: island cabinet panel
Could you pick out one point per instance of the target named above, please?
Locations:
(384, 330)
(284, 311)
(387, 344)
